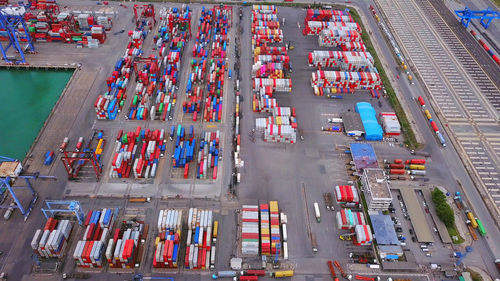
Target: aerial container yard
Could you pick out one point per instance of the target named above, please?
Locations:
(248, 141)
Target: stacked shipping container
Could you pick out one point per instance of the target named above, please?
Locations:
(268, 74)
(265, 237)
(250, 230)
(199, 239)
(337, 29)
(347, 219)
(184, 149)
(364, 235)
(390, 123)
(52, 240)
(315, 27)
(89, 251)
(341, 79)
(167, 242)
(344, 61)
(110, 103)
(123, 247)
(275, 227)
(85, 29)
(215, 91)
(139, 152)
(208, 155)
(347, 195)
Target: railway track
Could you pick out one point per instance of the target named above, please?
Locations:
(478, 64)
(464, 87)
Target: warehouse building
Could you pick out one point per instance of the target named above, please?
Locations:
(390, 252)
(373, 130)
(352, 124)
(376, 189)
(390, 123)
(363, 156)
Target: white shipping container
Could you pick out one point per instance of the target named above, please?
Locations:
(36, 239)
(285, 235)
(110, 249)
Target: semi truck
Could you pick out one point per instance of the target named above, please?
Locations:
(317, 214)
(420, 153)
(314, 243)
(327, 196)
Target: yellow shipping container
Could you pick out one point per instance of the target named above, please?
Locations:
(273, 206)
(216, 226)
(284, 273)
(264, 231)
(473, 221)
(417, 167)
(157, 240)
(428, 114)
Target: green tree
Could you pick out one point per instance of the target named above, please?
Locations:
(438, 196)
(445, 213)
(443, 210)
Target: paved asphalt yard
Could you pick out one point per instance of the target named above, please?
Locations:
(296, 175)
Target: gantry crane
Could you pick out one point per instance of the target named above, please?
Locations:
(66, 207)
(12, 20)
(144, 11)
(10, 171)
(466, 15)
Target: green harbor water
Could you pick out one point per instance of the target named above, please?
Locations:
(27, 98)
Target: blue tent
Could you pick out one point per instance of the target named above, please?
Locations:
(373, 131)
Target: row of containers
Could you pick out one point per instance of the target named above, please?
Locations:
(208, 66)
(347, 196)
(269, 71)
(352, 67)
(485, 46)
(201, 238)
(207, 156)
(138, 153)
(90, 248)
(158, 74)
(356, 223)
(108, 105)
(121, 247)
(281, 126)
(414, 167)
(51, 241)
(261, 233)
(432, 123)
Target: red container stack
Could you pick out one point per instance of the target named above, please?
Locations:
(138, 152)
(341, 79)
(347, 219)
(250, 230)
(167, 242)
(363, 236)
(122, 250)
(347, 195)
(52, 240)
(89, 251)
(265, 237)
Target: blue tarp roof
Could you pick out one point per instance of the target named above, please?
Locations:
(373, 131)
(383, 227)
(363, 156)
